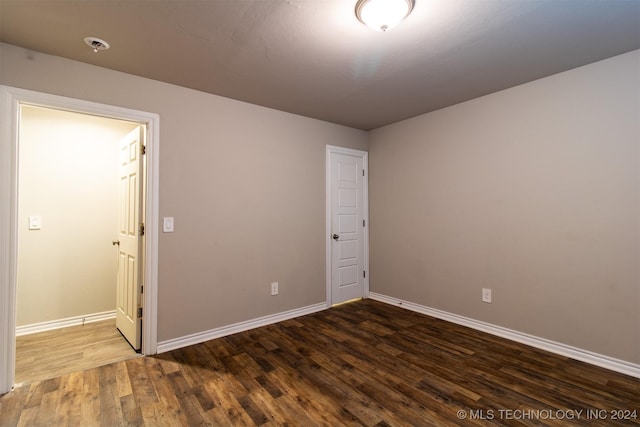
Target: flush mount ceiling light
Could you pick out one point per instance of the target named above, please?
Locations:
(96, 44)
(382, 15)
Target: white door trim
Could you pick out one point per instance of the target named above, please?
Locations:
(365, 214)
(10, 100)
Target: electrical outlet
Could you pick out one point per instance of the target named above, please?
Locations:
(274, 288)
(486, 295)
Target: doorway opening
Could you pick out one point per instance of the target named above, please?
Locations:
(68, 216)
(12, 222)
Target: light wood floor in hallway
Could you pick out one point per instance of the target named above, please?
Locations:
(54, 353)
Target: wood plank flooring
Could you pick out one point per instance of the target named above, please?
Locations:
(61, 351)
(364, 363)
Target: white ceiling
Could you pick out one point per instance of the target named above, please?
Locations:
(314, 58)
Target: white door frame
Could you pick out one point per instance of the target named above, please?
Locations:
(365, 214)
(10, 100)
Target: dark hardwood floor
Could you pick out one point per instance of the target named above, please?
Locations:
(364, 363)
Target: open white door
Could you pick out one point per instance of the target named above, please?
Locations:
(130, 237)
(347, 187)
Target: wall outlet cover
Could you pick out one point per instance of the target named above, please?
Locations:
(486, 295)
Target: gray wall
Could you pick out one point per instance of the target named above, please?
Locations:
(533, 192)
(246, 185)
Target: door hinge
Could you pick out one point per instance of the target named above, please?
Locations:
(363, 223)
(139, 312)
(143, 150)
(142, 289)
(362, 172)
(364, 274)
(141, 229)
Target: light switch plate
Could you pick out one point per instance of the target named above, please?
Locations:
(35, 222)
(167, 224)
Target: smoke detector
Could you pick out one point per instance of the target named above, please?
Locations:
(96, 44)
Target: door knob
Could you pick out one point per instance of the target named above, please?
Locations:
(335, 237)
(116, 242)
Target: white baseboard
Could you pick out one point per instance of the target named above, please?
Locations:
(63, 323)
(603, 361)
(223, 331)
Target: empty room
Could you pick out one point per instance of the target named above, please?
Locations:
(320, 212)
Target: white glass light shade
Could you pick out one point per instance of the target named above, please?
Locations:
(382, 15)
